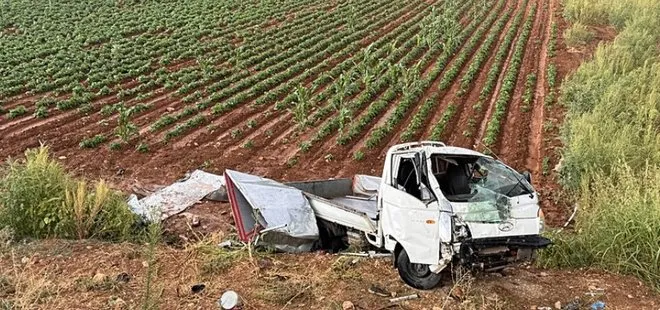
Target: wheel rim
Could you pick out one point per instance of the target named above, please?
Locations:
(419, 270)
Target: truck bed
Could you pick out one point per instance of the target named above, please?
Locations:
(349, 202)
(289, 209)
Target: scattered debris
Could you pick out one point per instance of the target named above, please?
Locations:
(595, 291)
(370, 254)
(573, 305)
(225, 244)
(599, 305)
(123, 277)
(558, 305)
(177, 197)
(289, 221)
(457, 293)
(229, 300)
(265, 263)
(198, 288)
(379, 291)
(347, 305)
(219, 194)
(403, 298)
(99, 278)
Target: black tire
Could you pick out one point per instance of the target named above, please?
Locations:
(418, 276)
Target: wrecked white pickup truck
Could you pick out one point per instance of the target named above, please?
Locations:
(433, 205)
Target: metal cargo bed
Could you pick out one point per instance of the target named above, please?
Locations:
(288, 211)
(348, 202)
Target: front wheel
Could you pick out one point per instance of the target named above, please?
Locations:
(418, 276)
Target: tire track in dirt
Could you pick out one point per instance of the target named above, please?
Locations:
(535, 137)
(513, 143)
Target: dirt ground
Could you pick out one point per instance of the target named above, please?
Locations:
(56, 274)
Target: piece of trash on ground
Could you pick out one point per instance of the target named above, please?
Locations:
(379, 291)
(197, 288)
(370, 254)
(229, 300)
(123, 277)
(175, 198)
(403, 298)
(225, 244)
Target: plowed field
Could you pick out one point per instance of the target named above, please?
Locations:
(287, 89)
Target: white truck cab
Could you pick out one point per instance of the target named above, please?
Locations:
(441, 203)
(433, 205)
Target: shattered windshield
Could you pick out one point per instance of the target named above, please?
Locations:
(493, 175)
(492, 183)
(483, 183)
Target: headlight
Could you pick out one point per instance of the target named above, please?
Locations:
(541, 218)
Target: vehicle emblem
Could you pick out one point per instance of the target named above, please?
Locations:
(505, 226)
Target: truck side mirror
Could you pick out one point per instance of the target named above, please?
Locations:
(527, 176)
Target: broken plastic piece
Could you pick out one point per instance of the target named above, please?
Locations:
(403, 298)
(229, 300)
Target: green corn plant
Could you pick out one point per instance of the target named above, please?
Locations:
(340, 87)
(344, 116)
(125, 128)
(301, 106)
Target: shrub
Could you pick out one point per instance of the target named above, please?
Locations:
(39, 199)
(578, 35)
(16, 112)
(611, 159)
(618, 227)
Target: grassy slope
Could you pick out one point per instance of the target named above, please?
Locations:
(612, 144)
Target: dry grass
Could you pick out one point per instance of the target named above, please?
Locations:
(265, 281)
(26, 288)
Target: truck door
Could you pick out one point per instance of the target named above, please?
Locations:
(410, 211)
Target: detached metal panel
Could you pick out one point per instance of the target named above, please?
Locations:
(329, 211)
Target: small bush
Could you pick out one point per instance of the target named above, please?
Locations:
(92, 142)
(617, 227)
(578, 35)
(142, 148)
(16, 112)
(39, 199)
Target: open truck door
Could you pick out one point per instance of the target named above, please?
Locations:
(410, 219)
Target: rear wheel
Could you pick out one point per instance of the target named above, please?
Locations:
(418, 276)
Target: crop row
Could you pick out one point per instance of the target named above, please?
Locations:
(53, 55)
(417, 88)
(396, 78)
(293, 66)
(509, 82)
(500, 57)
(450, 74)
